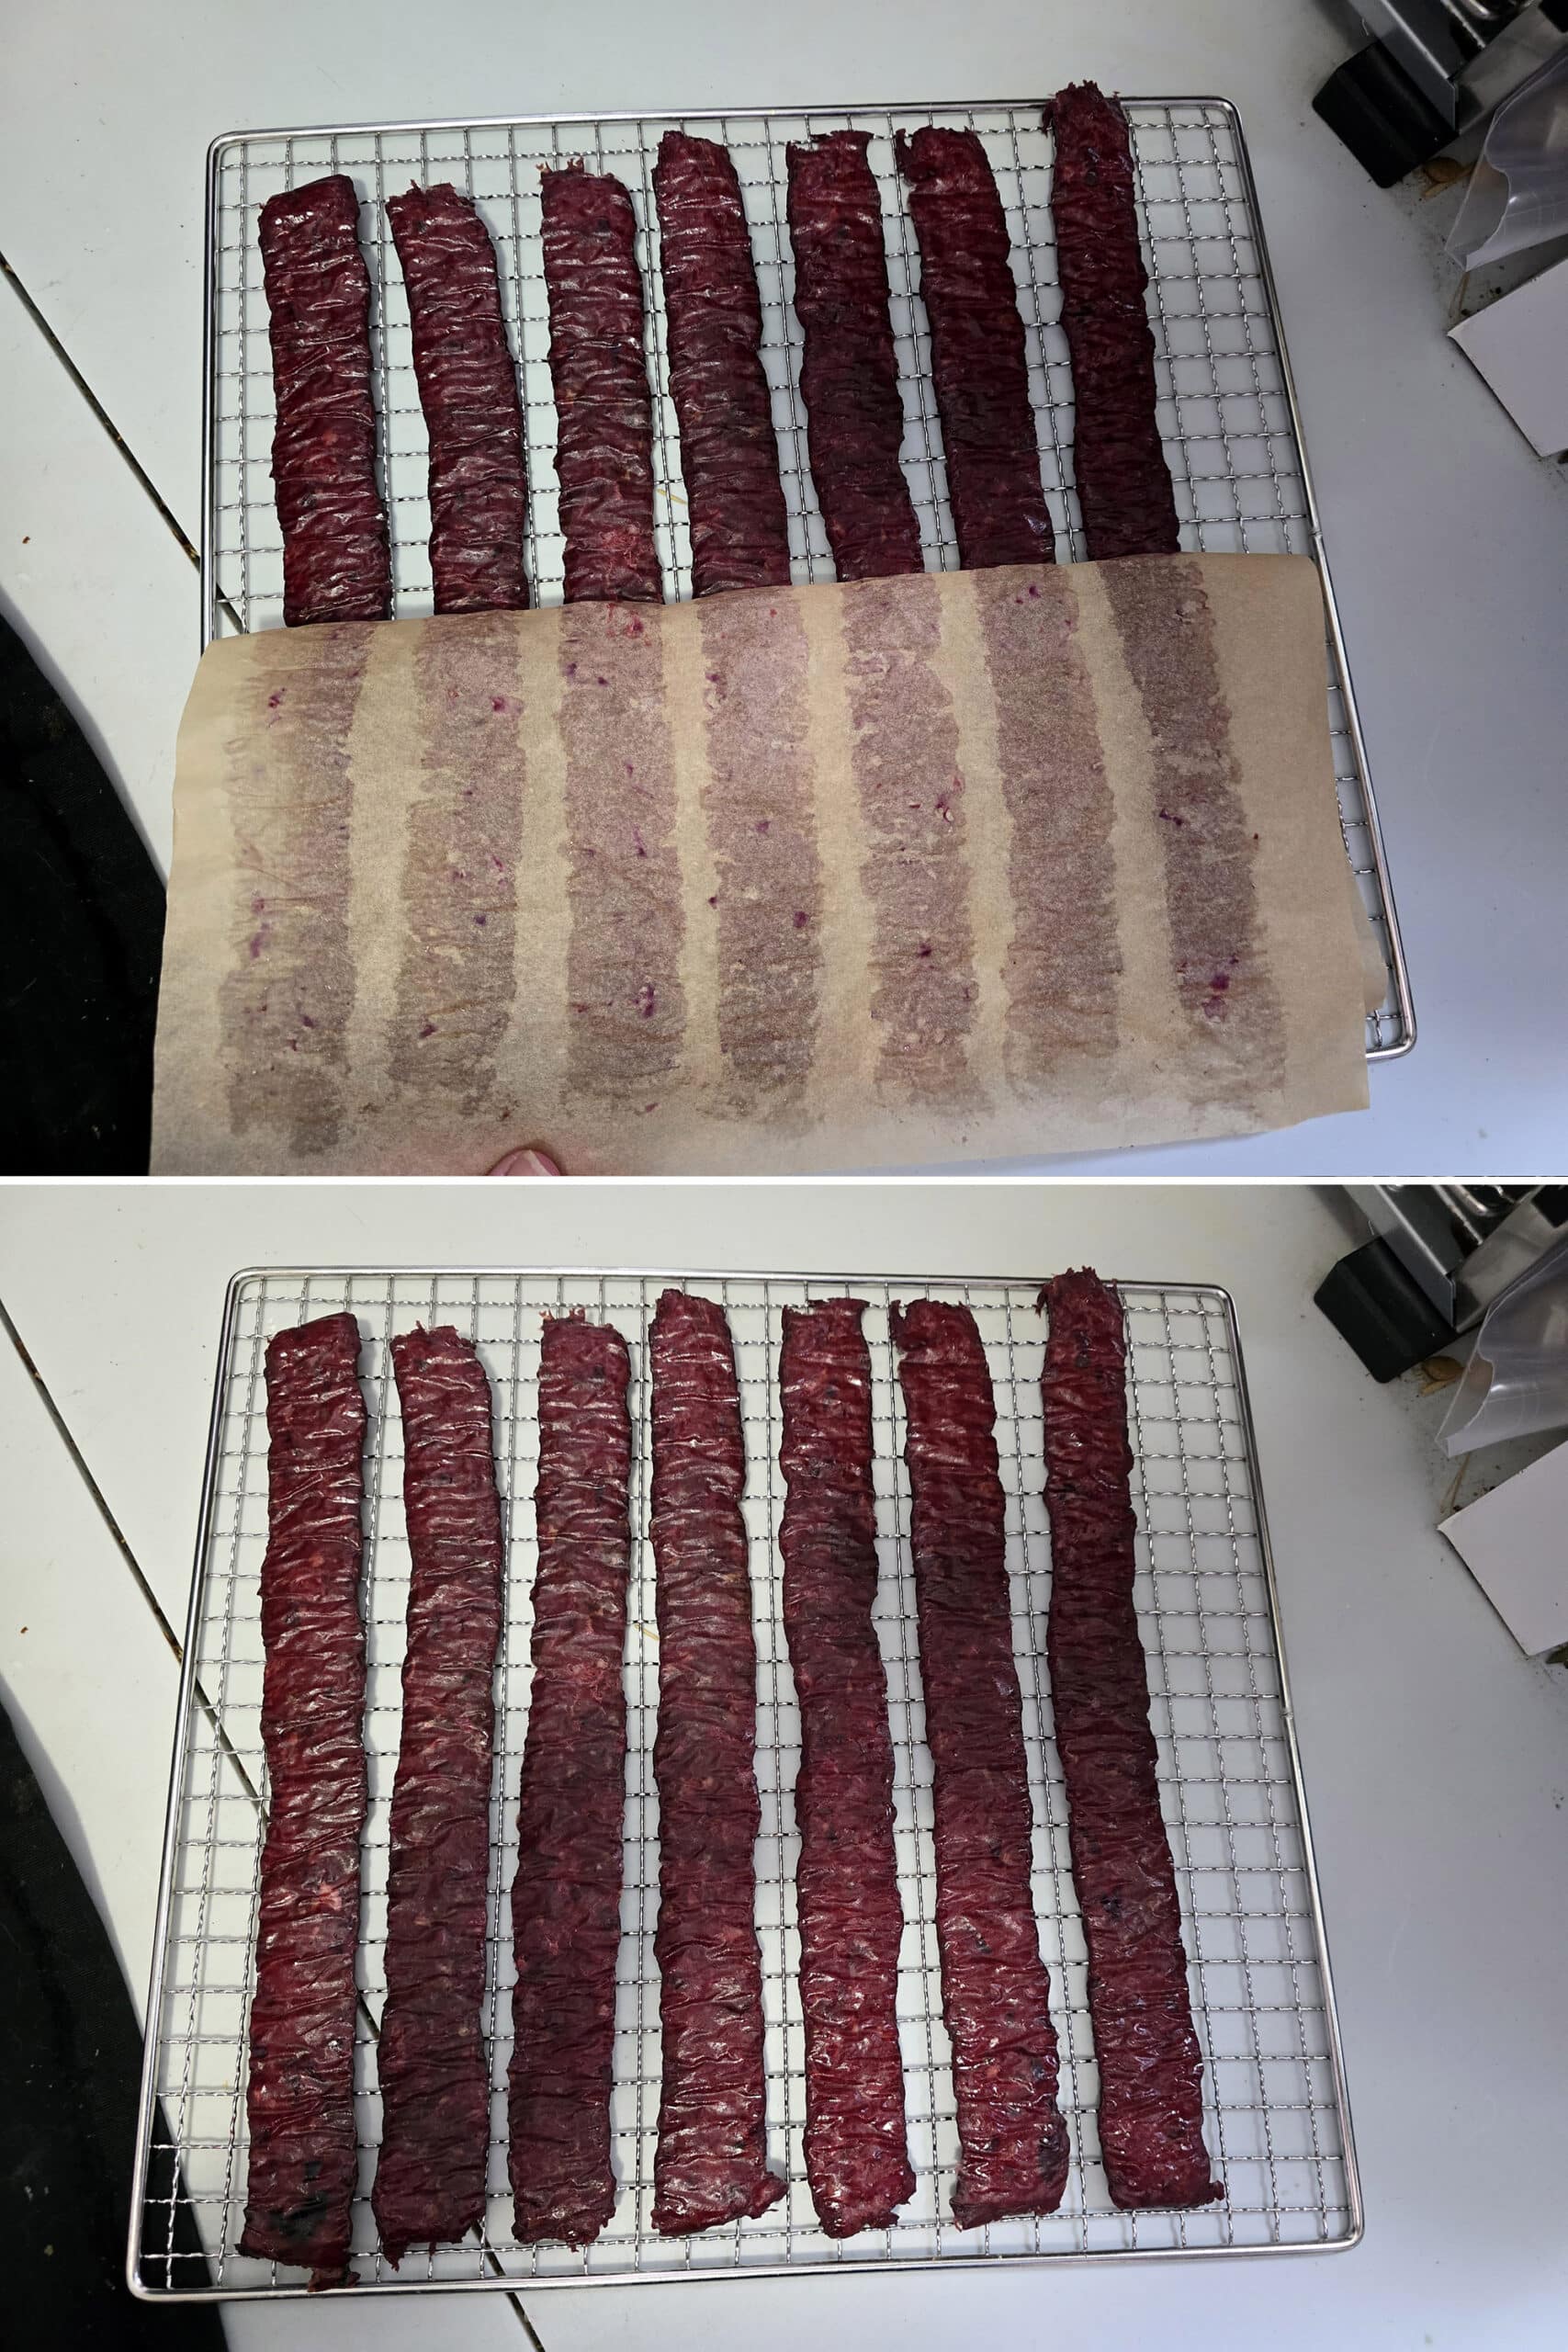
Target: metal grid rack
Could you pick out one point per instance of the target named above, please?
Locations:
(1276, 2119)
(1227, 404)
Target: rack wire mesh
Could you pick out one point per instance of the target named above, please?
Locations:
(1276, 2114)
(1227, 407)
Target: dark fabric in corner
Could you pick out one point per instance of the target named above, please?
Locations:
(70, 2070)
(81, 934)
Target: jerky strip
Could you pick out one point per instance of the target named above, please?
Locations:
(849, 374)
(729, 456)
(1125, 488)
(603, 410)
(468, 388)
(566, 1898)
(336, 562)
(303, 2142)
(711, 2162)
(978, 364)
(430, 2178)
(846, 1882)
(995, 1991)
(1151, 2091)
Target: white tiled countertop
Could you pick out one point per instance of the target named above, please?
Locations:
(1449, 539)
(1435, 1756)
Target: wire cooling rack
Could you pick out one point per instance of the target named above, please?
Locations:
(1276, 2115)
(1227, 404)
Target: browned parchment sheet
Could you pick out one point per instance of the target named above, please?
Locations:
(918, 869)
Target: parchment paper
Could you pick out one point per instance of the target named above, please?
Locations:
(969, 864)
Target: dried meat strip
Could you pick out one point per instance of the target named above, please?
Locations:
(467, 388)
(995, 1988)
(303, 2154)
(604, 410)
(1151, 2094)
(566, 1898)
(435, 2075)
(846, 1882)
(849, 374)
(336, 562)
(1124, 482)
(711, 2162)
(729, 456)
(978, 363)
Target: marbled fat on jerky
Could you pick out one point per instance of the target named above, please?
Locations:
(711, 2163)
(851, 1921)
(303, 2144)
(979, 366)
(603, 409)
(1151, 2072)
(1124, 482)
(566, 1897)
(337, 565)
(1013, 2140)
(729, 455)
(431, 2058)
(849, 372)
(467, 388)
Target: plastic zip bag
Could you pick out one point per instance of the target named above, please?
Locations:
(1519, 191)
(1516, 1379)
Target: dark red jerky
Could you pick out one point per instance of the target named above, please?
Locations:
(336, 562)
(849, 374)
(996, 1991)
(604, 410)
(711, 2162)
(566, 1898)
(303, 2144)
(729, 456)
(1124, 482)
(978, 363)
(434, 2076)
(1151, 2096)
(846, 1879)
(467, 388)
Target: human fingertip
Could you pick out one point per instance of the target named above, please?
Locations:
(527, 1161)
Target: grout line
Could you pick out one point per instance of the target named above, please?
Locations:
(529, 2330)
(127, 1556)
(101, 412)
(165, 512)
(96, 1492)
